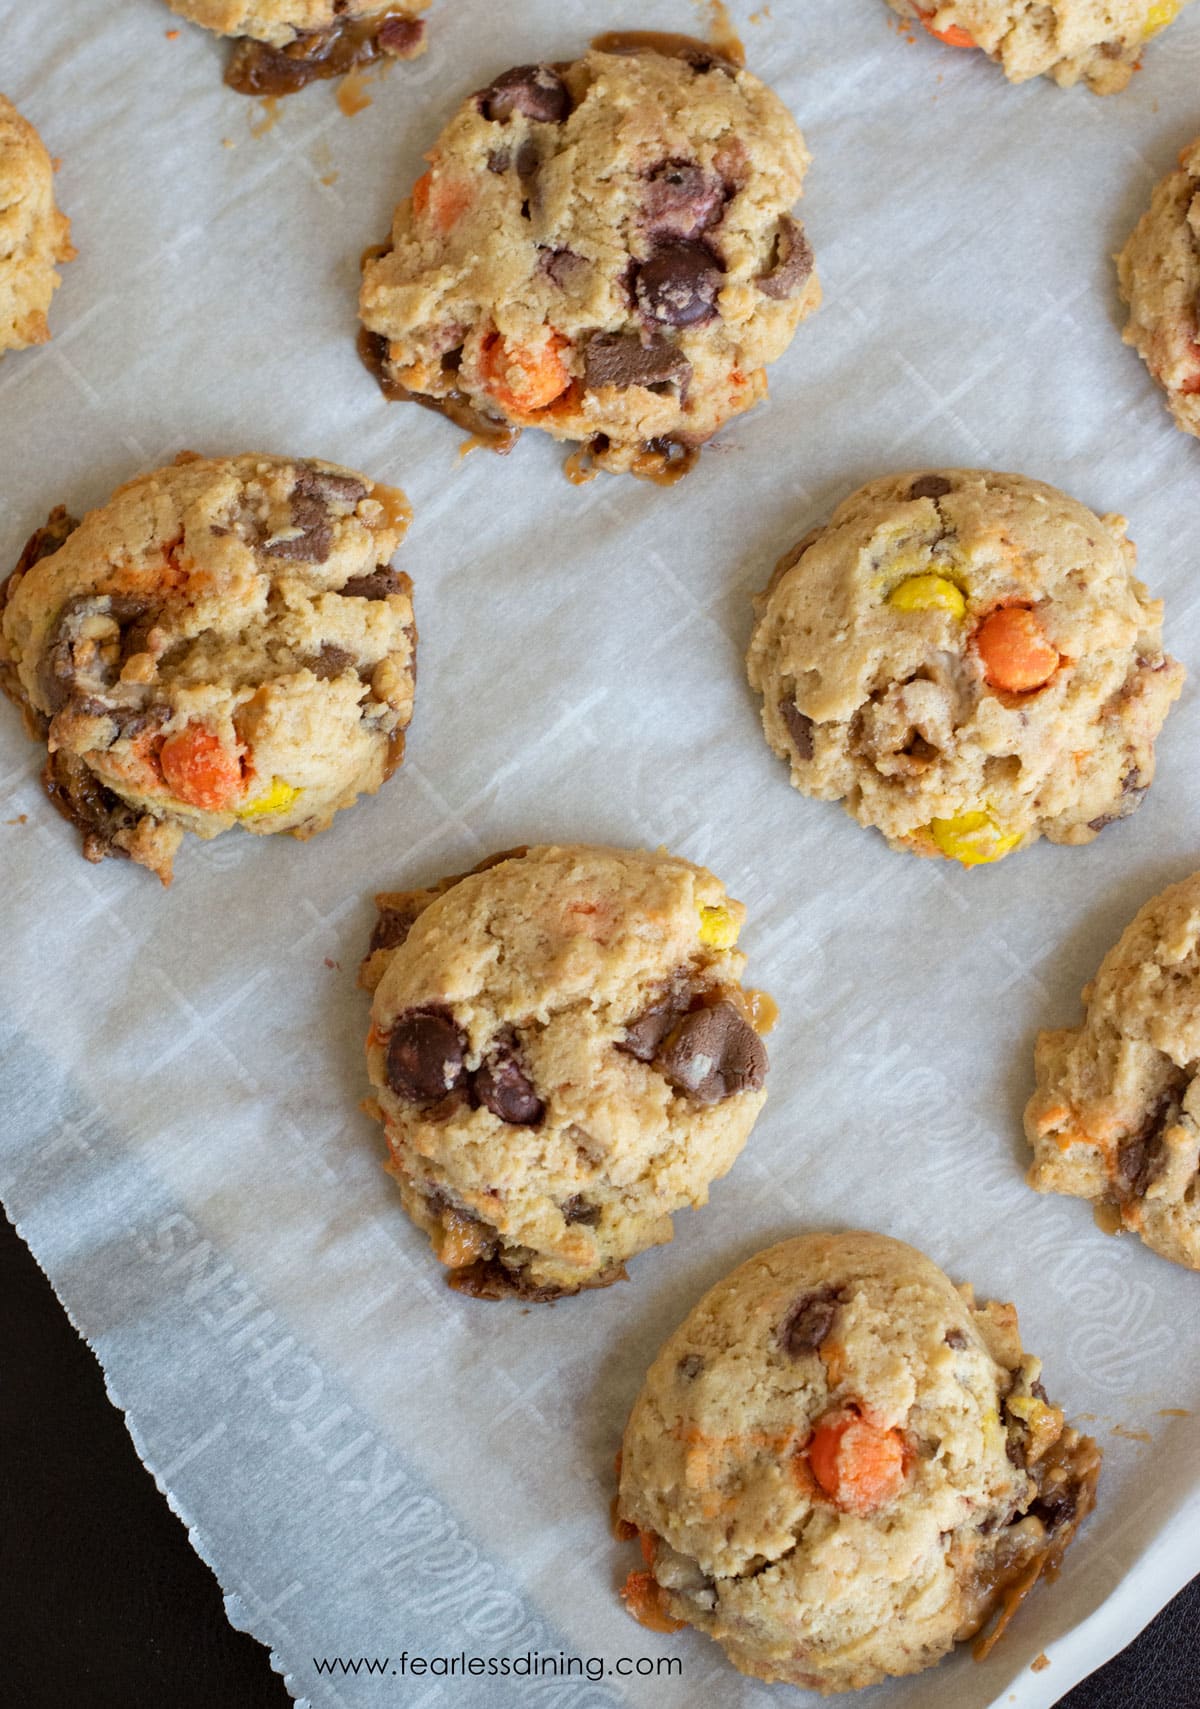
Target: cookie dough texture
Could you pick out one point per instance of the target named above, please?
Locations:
(1159, 271)
(605, 250)
(1116, 1114)
(34, 235)
(884, 635)
(222, 643)
(1097, 42)
(281, 45)
(859, 1337)
(563, 1057)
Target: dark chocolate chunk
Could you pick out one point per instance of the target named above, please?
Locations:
(61, 669)
(791, 261)
(537, 91)
(331, 661)
(800, 727)
(1138, 1156)
(577, 1210)
(678, 284)
(690, 1367)
(503, 1087)
(626, 359)
(681, 199)
(393, 926)
(930, 486)
(499, 160)
(79, 796)
(328, 484)
(425, 1056)
(310, 514)
(377, 585)
(713, 1054)
(562, 265)
(808, 1322)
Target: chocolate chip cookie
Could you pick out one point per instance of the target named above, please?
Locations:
(606, 250)
(1098, 42)
(223, 643)
(1159, 270)
(563, 1056)
(1116, 1114)
(33, 233)
(280, 45)
(967, 662)
(840, 1466)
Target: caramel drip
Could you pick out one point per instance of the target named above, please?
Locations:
(673, 46)
(456, 405)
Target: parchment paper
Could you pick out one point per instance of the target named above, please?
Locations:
(371, 1464)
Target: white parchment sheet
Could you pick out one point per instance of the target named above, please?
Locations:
(370, 1463)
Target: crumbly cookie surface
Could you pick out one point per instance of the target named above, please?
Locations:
(563, 1056)
(840, 1466)
(1098, 42)
(967, 661)
(34, 235)
(605, 250)
(1116, 1114)
(224, 642)
(281, 45)
(1159, 271)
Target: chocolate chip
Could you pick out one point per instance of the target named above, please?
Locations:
(325, 483)
(377, 585)
(331, 662)
(77, 793)
(690, 1367)
(800, 727)
(1039, 1393)
(791, 261)
(678, 285)
(393, 926)
(60, 669)
(577, 1210)
(627, 359)
(534, 90)
(310, 515)
(930, 486)
(1056, 1507)
(645, 1034)
(682, 199)
(499, 160)
(956, 1339)
(808, 1322)
(503, 1087)
(713, 1054)
(425, 1056)
(562, 265)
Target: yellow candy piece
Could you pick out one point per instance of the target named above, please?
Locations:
(973, 839)
(718, 928)
(277, 799)
(1162, 13)
(929, 593)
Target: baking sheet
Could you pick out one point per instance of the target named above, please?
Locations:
(371, 1464)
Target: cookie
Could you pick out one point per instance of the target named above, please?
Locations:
(1116, 1114)
(967, 661)
(562, 1056)
(281, 45)
(605, 250)
(223, 643)
(33, 233)
(840, 1466)
(1098, 42)
(1159, 270)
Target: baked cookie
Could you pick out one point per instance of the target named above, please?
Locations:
(605, 250)
(562, 1056)
(1116, 1114)
(33, 234)
(1159, 270)
(280, 45)
(840, 1466)
(967, 661)
(223, 642)
(1098, 42)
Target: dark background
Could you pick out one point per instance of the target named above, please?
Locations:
(103, 1604)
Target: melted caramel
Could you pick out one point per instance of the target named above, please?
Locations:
(270, 116)
(258, 69)
(352, 94)
(672, 45)
(578, 467)
(1106, 1217)
(456, 405)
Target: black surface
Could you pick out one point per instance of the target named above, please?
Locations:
(104, 1605)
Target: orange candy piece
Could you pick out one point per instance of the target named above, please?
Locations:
(643, 1598)
(859, 1466)
(200, 769)
(1016, 655)
(953, 36)
(520, 378)
(444, 199)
